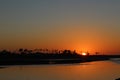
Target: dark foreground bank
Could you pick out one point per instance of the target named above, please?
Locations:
(33, 61)
(118, 79)
(25, 57)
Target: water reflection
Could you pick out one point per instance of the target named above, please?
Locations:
(100, 70)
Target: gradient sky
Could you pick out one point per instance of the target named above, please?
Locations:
(84, 25)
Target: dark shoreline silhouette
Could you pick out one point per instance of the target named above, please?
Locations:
(117, 79)
(29, 57)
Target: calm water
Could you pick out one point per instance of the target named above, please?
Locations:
(99, 70)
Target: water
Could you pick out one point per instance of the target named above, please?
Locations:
(99, 70)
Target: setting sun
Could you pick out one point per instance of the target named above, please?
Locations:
(84, 54)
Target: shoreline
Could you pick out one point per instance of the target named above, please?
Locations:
(47, 61)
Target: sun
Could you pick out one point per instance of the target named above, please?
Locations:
(84, 54)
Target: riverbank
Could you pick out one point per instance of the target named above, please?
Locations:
(37, 61)
(31, 57)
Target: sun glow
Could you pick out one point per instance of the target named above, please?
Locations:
(84, 54)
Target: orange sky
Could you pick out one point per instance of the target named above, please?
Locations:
(81, 25)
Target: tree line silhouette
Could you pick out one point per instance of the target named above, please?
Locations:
(39, 53)
(46, 56)
(38, 56)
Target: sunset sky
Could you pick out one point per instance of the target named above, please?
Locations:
(83, 25)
